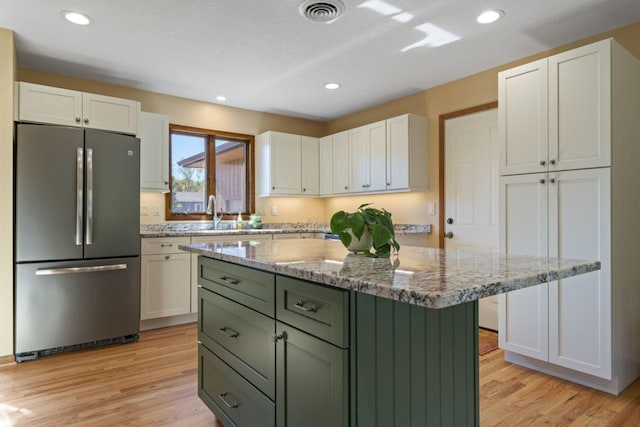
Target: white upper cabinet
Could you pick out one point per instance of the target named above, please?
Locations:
(310, 164)
(555, 113)
(367, 150)
(325, 149)
(407, 153)
(523, 119)
(153, 131)
(45, 104)
(341, 163)
(278, 164)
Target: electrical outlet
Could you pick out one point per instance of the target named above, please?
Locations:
(274, 210)
(144, 210)
(431, 208)
(157, 210)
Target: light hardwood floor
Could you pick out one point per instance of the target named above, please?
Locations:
(153, 382)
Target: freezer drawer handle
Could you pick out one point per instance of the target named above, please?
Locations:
(74, 270)
(79, 185)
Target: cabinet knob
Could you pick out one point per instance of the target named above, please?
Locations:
(542, 181)
(86, 120)
(77, 119)
(388, 184)
(276, 338)
(542, 163)
(553, 162)
(552, 180)
(167, 257)
(346, 188)
(166, 183)
(273, 188)
(304, 189)
(364, 186)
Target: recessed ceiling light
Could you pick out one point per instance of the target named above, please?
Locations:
(221, 98)
(76, 18)
(490, 16)
(332, 85)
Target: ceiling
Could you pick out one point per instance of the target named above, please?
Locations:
(262, 55)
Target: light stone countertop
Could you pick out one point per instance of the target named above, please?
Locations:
(205, 228)
(426, 277)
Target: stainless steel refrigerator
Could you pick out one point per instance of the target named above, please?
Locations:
(77, 239)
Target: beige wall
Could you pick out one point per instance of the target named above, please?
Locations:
(7, 76)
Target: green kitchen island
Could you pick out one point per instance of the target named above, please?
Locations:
(302, 333)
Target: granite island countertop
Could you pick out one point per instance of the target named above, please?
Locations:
(432, 278)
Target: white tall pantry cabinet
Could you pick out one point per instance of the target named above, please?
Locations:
(569, 150)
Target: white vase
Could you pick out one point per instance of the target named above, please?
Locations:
(360, 245)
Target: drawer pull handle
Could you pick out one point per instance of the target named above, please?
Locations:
(169, 245)
(229, 332)
(226, 402)
(300, 306)
(277, 338)
(229, 280)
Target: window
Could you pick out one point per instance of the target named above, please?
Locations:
(207, 162)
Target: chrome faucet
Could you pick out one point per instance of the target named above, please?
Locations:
(212, 203)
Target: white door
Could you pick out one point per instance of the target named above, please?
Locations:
(471, 191)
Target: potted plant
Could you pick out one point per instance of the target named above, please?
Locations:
(364, 228)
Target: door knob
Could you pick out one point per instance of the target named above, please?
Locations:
(448, 235)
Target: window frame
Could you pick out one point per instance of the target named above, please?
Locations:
(211, 136)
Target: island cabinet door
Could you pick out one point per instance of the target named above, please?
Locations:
(311, 380)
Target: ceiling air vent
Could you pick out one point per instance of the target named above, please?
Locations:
(325, 11)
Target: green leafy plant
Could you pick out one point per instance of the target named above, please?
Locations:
(377, 222)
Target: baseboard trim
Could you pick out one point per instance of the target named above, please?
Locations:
(165, 322)
(7, 360)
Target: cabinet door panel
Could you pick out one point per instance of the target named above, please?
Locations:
(309, 166)
(44, 104)
(377, 135)
(109, 113)
(359, 156)
(523, 316)
(312, 381)
(153, 131)
(341, 163)
(579, 307)
(286, 156)
(580, 107)
(326, 165)
(165, 286)
(398, 153)
(523, 118)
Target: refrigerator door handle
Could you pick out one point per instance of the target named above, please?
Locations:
(88, 235)
(79, 185)
(74, 270)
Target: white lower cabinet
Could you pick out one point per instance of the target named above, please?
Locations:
(164, 278)
(565, 322)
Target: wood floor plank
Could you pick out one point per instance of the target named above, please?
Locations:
(153, 383)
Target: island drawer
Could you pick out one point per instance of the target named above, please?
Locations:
(252, 288)
(316, 309)
(229, 396)
(240, 336)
